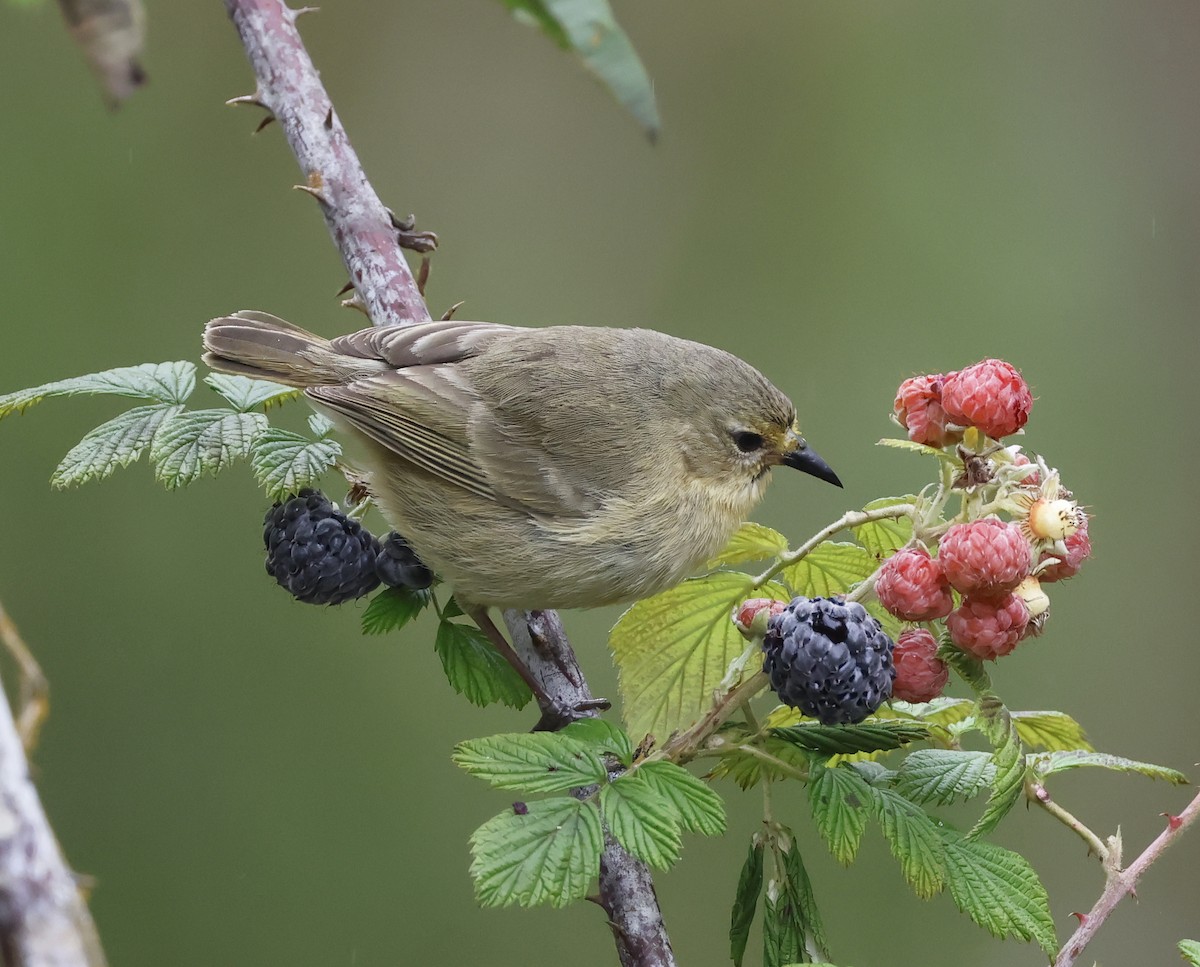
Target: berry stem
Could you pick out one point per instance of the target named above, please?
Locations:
(853, 518)
(684, 746)
(1122, 883)
(1037, 793)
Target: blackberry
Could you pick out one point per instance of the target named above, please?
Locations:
(317, 553)
(398, 566)
(829, 659)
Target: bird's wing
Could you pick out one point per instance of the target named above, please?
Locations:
(426, 344)
(420, 414)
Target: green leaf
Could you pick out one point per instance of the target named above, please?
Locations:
(1053, 731)
(603, 735)
(747, 769)
(791, 922)
(921, 448)
(697, 807)
(830, 568)
(244, 393)
(745, 902)
(751, 542)
(195, 442)
(117, 443)
(999, 890)
(848, 739)
(393, 608)
(589, 28)
(939, 711)
(284, 463)
(1190, 951)
(882, 538)
(641, 820)
(672, 651)
(531, 761)
(968, 668)
(476, 670)
(1047, 763)
(544, 852)
(320, 424)
(840, 799)
(1008, 760)
(891, 625)
(943, 775)
(161, 382)
(914, 840)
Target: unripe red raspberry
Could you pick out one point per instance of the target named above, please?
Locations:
(985, 556)
(1079, 549)
(920, 674)
(919, 409)
(990, 395)
(988, 627)
(752, 616)
(1034, 477)
(911, 586)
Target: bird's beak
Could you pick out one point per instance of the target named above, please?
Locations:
(798, 454)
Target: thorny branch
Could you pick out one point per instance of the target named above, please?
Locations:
(365, 234)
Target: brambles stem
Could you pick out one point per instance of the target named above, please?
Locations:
(1122, 883)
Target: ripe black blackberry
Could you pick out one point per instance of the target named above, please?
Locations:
(830, 659)
(317, 553)
(398, 566)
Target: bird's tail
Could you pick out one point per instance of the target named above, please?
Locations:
(263, 346)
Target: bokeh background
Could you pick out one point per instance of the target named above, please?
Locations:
(845, 194)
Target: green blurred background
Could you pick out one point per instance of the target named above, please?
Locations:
(845, 194)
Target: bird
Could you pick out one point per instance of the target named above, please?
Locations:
(538, 468)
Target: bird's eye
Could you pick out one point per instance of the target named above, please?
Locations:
(747, 442)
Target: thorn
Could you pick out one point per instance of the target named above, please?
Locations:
(263, 123)
(329, 118)
(344, 289)
(1133, 893)
(254, 100)
(299, 12)
(312, 191)
(355, 302)
(449, 313)
(423, 275)
(1081, 917)
(1173, 822)
(314, 187)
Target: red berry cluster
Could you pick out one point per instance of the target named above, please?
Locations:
(990, 396)
(985, 575)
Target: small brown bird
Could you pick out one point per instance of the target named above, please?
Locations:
(565, 467)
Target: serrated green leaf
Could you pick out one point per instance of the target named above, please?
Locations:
(830, 568)
(1190, 951)
(284, 463)
(162, 382)
(745, 902)
(531, 761)
(1008, 760)
(196, 442)
(244, 393)
(882, 538)
(747, 769)
(697, 807)
(1047, 763)
(751, 542)
(672, 650)
(939, 711)
(546, 852)
(393, 608)
(791, 921)
(1053, 731)
(589, 28)
(920, 448)
(999, 890)
(320, 424)
(641, 820)
(968, 668)
(117, 443)
(943, 775)
(840, 800)
(602, 735)
(476, 670)
(848, 739)
(913, 838)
